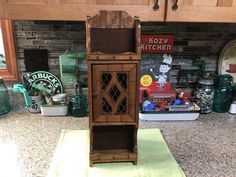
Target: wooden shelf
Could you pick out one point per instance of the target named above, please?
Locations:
(113, 123)
(120, 156)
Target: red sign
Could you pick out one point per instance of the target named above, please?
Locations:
(157, 43)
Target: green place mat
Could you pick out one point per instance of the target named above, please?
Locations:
(71, 158)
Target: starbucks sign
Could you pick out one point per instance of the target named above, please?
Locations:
(47, 80)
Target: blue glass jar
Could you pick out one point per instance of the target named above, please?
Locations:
(5, 106)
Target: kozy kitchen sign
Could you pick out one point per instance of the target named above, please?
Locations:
(157, 43)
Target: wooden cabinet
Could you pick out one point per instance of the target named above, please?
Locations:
(146, 10)
(113, 54)
(201, 11)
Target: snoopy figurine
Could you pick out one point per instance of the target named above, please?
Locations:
(165, 66)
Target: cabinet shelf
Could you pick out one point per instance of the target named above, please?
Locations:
(114, 156)
(113, 123)
(112, 138)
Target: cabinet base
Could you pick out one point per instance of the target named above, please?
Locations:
(115, 156)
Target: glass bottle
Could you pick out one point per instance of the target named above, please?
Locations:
(223, 93)
(5, 106)
(204, 94)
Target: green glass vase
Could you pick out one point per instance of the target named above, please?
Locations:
(223, 93)
(5, 106)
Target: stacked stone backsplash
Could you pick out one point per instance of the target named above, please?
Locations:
(56, 37)
(192, 42)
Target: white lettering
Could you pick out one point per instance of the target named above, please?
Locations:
(168, 47)
(50, 78)
(150, 41)
(142, 47)
(30, 81)
(164, 47)
(158, 47)
(166, 40)
(54, 81)
(40, 75)
(34, 77)
(156, 40)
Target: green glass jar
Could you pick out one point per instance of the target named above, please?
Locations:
(204, 95)
(5, 106)
(223, 93)
(78, 106)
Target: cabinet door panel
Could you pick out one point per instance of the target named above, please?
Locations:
(202, 11)
(123, 2)
(79, 9)
(26, 1)
(200, 2)
(77, 1)
(225, 3)
(112, 89)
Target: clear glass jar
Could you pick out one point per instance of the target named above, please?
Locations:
(204, 94)
(223, 93)
(5, 106)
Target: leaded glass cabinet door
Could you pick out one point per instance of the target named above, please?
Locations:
(113, 88)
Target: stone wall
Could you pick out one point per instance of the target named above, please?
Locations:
(192, 42)
(56, 37)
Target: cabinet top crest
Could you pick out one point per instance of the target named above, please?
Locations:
(112, 19)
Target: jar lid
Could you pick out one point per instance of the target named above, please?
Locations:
(206, 81)
(226, 77)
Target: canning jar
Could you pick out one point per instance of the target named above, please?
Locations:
(5, 106)
(204, 94)
(223, 93)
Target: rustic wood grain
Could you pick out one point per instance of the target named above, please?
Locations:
(111, 19)
(225, 3)
(78, 10)
(206, 11)
(234, 3)
(105, 126)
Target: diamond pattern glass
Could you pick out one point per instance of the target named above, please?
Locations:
(106, 108)
(122, 107)
(114, 93)
(106, 78)
(122, 79)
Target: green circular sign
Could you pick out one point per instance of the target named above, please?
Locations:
(47, 80)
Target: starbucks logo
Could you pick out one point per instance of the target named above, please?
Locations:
(46, 80)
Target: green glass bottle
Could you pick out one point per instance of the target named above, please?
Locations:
(5, 106)
(223, 93)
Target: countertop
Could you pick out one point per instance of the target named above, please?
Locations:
(203, 148)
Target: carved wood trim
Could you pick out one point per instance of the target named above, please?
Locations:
(112, 19)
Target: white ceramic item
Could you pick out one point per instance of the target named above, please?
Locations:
(232, 108)
(59, 97)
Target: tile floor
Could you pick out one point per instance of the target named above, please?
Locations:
(203, 148)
